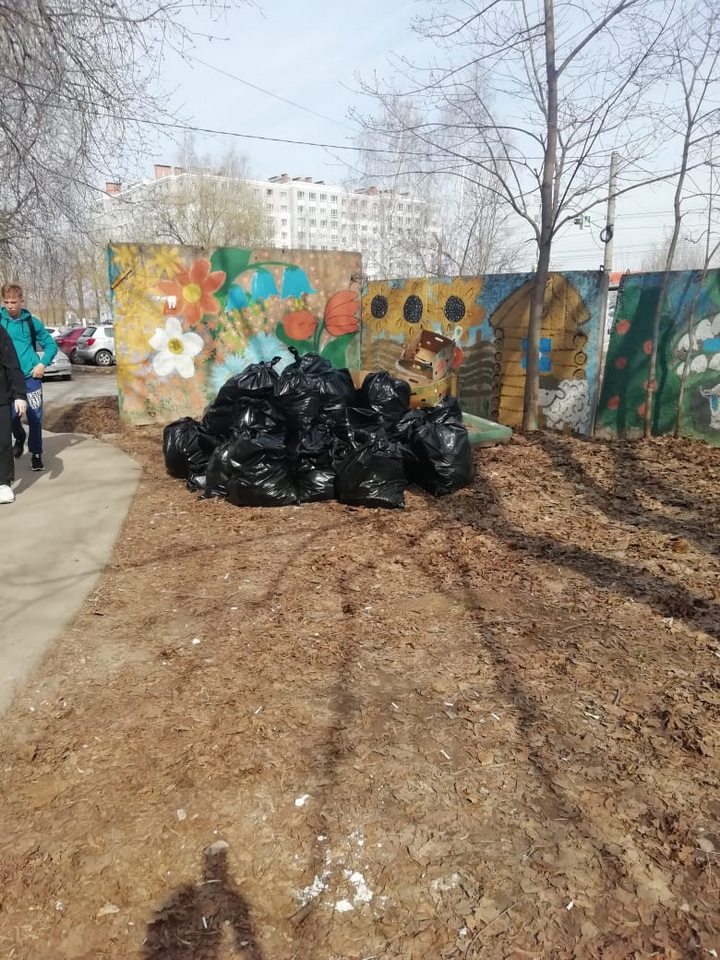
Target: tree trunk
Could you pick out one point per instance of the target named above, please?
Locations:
(547, 214)
(80, 292)
(686, 364)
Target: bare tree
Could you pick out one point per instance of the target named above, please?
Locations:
(566, 86)
(711, 250)
(77, 83)
(465, 227)
(695, 59)
(203, 203)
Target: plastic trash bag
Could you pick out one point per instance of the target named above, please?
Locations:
(260, 473)
(219, 471)
(310, 386)
(187, 447)
(441, 456)
(386, 394)
(446, 411)
(314, 474)
(372, 475)
(256, 380)
(259, 413)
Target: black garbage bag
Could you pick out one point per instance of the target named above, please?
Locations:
(446, 411)
(256, 380)
(386, 394)
(440, 455)
(256, 414)
(187, 447)
(260, 474)
(355, 428)
(403, 432)
(311, 386)
(372, 475)
(222, 419)
(297, 395)
(197, 482)
(314, 474)
(219, 471)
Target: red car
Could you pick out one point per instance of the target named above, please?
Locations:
(68, 341)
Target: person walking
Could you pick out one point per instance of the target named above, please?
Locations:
(12, 401)
(27, 334)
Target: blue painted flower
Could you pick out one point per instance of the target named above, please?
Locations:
(295, 283)
(261, 347)
(263, 285)
(237, 298)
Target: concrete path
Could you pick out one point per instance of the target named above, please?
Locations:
(55, 541)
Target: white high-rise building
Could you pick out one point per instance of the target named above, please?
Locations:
(394, 232)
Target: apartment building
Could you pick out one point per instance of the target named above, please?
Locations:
(394, 232)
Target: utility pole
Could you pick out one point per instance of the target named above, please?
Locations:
(607, 235)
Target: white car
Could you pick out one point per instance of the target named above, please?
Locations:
(59, 369)
(53, 331)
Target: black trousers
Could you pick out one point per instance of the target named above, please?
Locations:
(7, 462)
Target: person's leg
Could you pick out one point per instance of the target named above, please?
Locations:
(18, 432)
(7, 462)
(34, 416)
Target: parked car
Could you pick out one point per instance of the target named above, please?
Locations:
(59, 368)
(53, 331)
(96, 345)
(67, 341)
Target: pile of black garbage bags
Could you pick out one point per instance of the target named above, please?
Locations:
(271, 439)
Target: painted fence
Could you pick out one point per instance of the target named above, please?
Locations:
(689, 339)
(186, 321)
(488, 319)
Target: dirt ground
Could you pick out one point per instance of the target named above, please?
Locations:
(484, 726)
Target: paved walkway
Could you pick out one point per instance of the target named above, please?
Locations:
(56, 540)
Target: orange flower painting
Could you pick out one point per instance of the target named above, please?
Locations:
(341, 313)
(300, 324)
(193, 290)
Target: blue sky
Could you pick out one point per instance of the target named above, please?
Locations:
(311, 54)
(308, 53)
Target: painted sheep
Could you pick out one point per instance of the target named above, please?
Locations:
(568, 405)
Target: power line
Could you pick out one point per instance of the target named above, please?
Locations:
(269, 93)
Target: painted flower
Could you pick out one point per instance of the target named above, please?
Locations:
(175, 350)
(622, 327)
(341, 313)
(385, 307)
(454, 306)
(237, 298)
(300, 324)
(263, 285)
(263, 347)
(295, 283)
(193, 289)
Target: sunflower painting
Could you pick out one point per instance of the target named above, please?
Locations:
(396, 310)
(185, 321)
(487, 317)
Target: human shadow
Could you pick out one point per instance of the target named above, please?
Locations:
(191, 923)
(53, 446)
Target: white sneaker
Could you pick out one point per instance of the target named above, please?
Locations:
(6, 494)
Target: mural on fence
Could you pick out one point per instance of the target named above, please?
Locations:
(488, 319)
(689, 340)
(185, 322)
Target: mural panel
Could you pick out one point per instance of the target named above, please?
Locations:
(488, 319)
(185, 321)
(689, 340)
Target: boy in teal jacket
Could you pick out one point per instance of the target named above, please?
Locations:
(28, 335)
